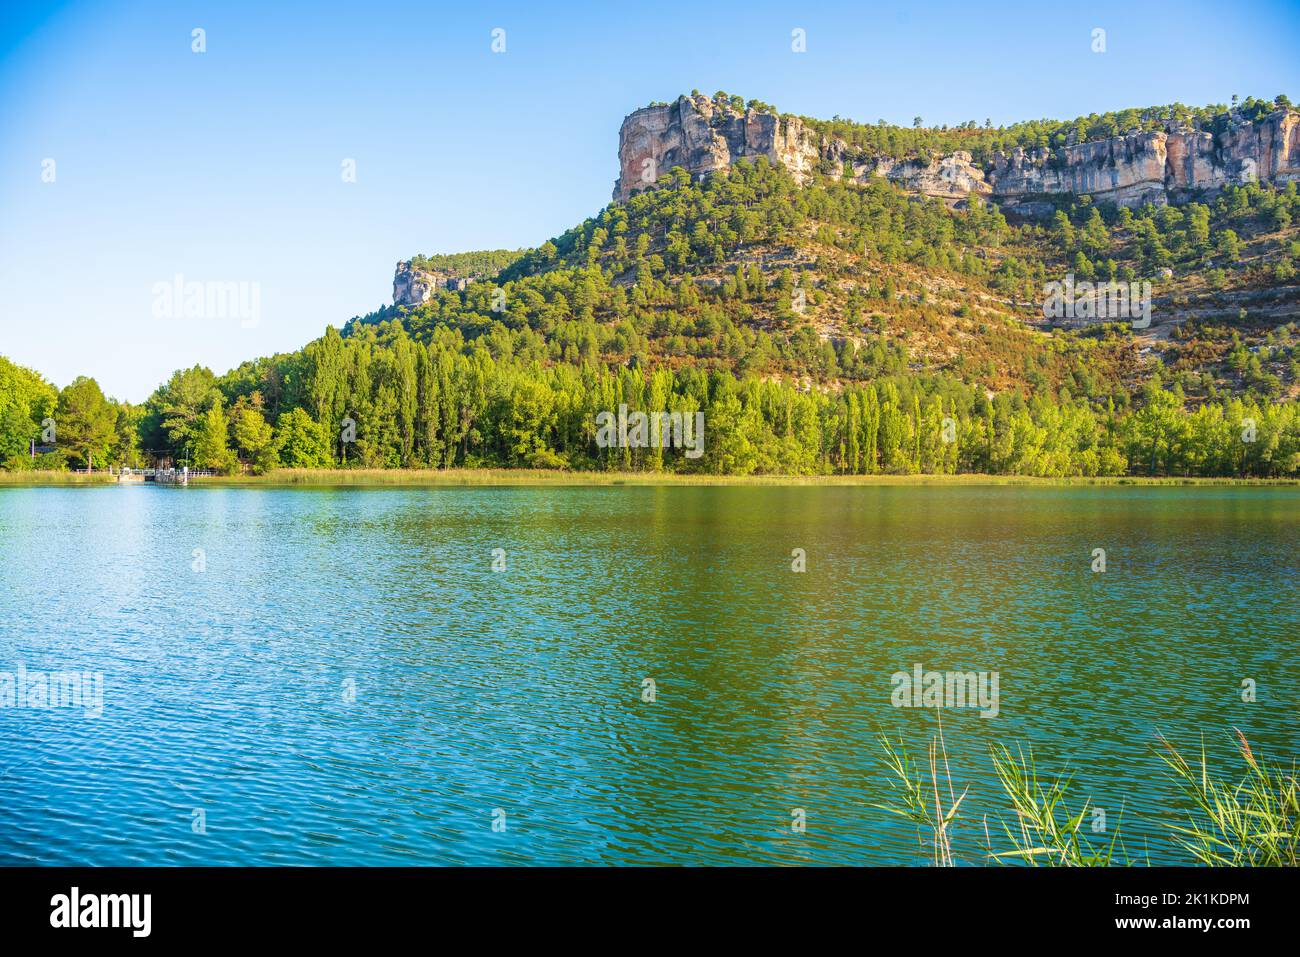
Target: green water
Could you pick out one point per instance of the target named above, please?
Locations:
(340, 676)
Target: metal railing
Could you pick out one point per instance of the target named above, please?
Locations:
(180, 475)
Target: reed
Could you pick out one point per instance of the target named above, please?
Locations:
(36, 478)
(923, 803)
(1251, 822)
(1254, 822)
(1044, 831)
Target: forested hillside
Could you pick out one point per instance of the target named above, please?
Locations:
(830, 328)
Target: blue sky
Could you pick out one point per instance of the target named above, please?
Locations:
(226, 165)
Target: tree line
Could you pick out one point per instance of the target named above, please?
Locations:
(380, 399)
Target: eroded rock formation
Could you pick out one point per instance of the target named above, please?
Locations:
(1159, 166)
(413, 285)
(703, 137)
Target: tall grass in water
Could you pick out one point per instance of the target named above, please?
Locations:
(1254, 823)
(1043, 831)
(922, 804)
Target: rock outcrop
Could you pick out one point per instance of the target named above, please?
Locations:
(952, 177)
(1159, 166)
(413, 285)
(705, 137)
(702, 137)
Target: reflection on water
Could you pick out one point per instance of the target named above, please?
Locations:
(345, 680)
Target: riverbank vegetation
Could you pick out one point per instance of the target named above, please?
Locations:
(52, 477)
(416, 406)
(449, 477)
(438, 406)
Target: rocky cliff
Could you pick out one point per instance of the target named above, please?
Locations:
(701, 137)
(952, 177)
(704, 137)
(413, 285)
(1157, 167)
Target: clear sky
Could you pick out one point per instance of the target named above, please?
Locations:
(227, 165)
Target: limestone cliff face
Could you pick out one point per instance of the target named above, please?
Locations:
(1268, 150)
(952, 177)
(1127, 170)
(702, 137)
(1159, 166)
(1143, 167)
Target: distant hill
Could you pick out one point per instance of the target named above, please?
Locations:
(834, 299)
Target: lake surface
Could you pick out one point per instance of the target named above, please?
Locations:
(339, 676)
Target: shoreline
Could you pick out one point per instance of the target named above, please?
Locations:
(36, 479)
(433, 478)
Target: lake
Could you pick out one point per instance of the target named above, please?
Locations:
(340, 676)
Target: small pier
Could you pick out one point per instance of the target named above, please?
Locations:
(179, 476)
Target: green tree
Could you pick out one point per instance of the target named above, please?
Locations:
(86, 422)
(254, 437)
(125, 449)
(1229, 245)
(176, 409)
(302, 442)
(25, 400)
(212, 442)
